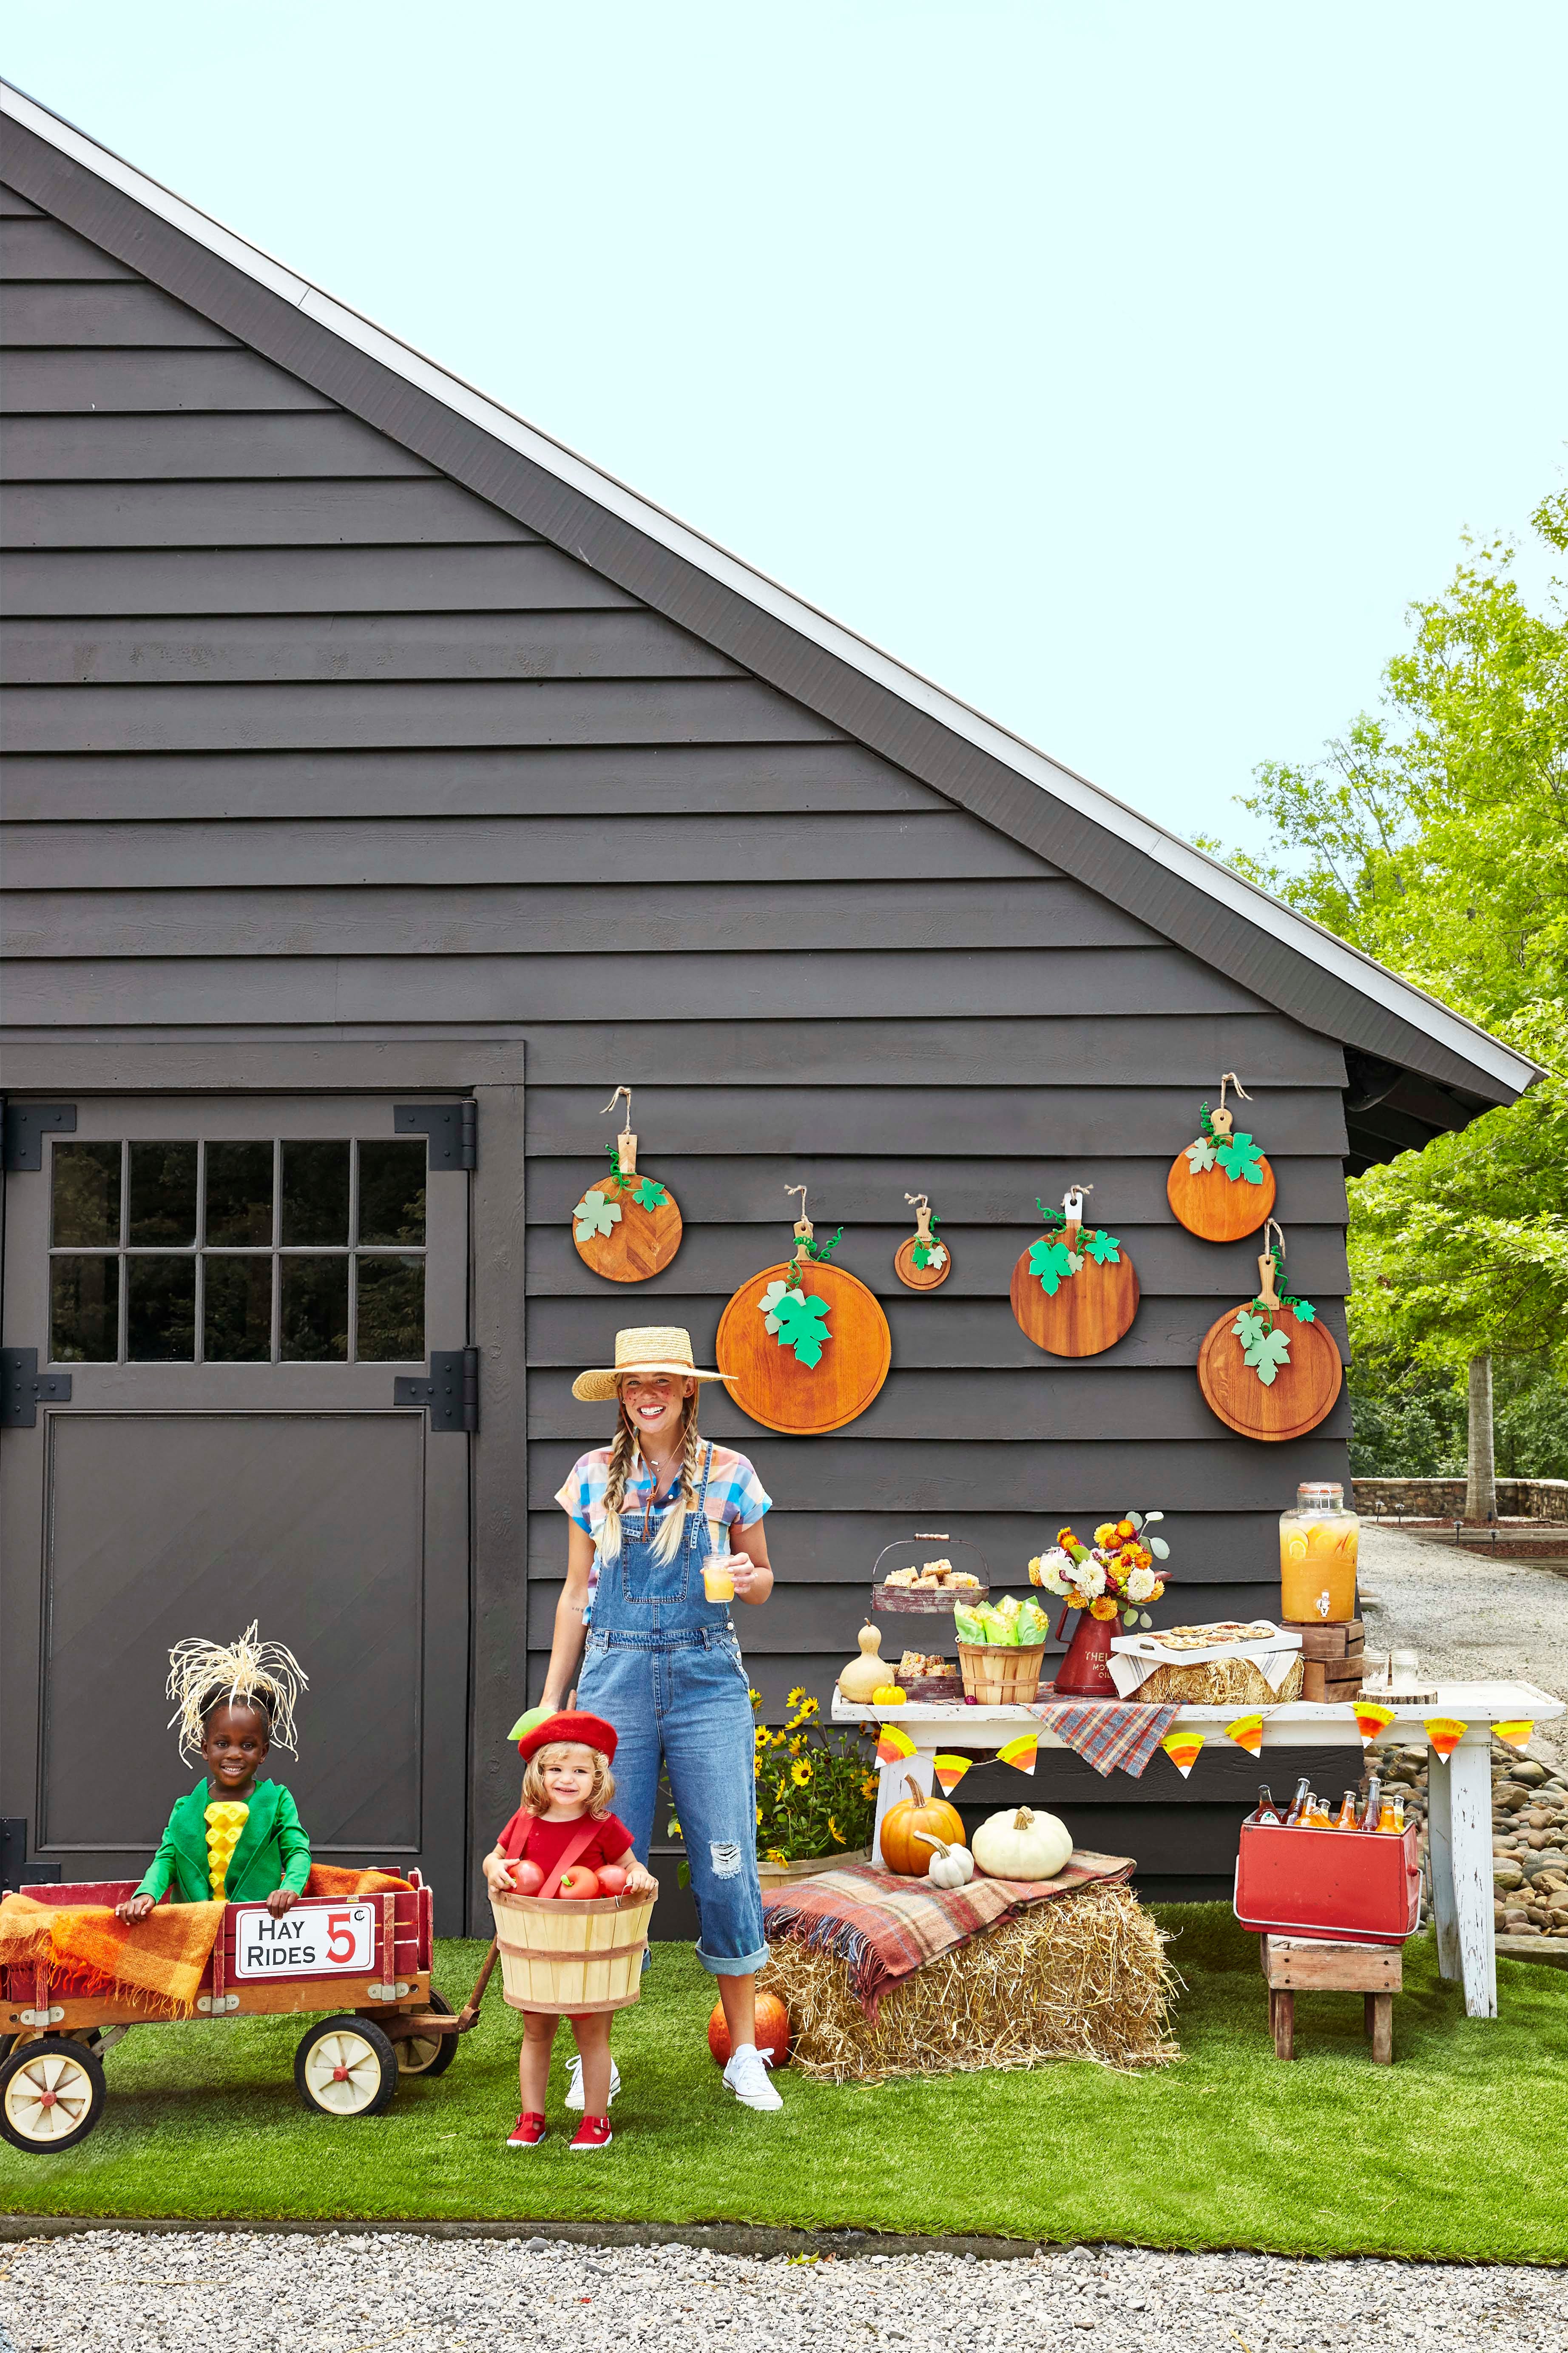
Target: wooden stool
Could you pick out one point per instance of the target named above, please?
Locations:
(1293, 1965)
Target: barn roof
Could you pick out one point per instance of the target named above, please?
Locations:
(1415, 1066)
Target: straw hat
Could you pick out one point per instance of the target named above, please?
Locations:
(645, 1348)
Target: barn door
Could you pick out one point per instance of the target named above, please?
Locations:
(235, 1389)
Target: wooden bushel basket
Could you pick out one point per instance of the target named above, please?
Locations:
(1000, 1674)
(571, 1958)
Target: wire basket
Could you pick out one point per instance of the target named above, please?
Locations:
(916, 1552)
(1000, 1674)
(570, 1958)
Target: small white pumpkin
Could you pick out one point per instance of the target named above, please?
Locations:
(950, 1866)
(1018, 1843)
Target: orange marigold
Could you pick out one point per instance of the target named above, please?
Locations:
(1124, 1528)
(1105, 1607)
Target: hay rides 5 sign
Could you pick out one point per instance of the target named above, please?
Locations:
(804, 1346)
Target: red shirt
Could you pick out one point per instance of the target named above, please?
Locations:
(548, 1842)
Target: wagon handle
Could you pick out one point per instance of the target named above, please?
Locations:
(470, 2008)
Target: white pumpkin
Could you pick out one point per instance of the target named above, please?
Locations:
(950, 1866)
(1021, 1845)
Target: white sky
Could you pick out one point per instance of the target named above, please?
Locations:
(1126, 367)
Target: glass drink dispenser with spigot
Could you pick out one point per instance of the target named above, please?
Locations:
(1318, 1538)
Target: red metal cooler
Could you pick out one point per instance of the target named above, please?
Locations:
(1358, 1888)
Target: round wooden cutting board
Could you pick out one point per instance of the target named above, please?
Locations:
(1090, 1313)
(1302, 1393)
(772, 1386)
(639, 1245)
(1214, 1209)
(920, 1278)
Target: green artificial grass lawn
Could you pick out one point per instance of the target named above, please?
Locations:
(1455, 2151)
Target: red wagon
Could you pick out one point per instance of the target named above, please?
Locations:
(366, 1960)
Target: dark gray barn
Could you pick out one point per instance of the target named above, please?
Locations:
(349, 724)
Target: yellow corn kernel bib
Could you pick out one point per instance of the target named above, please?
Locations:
(225, 1818)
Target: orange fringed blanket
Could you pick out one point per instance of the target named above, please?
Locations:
(162, 1961)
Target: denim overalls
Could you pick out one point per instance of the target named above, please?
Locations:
(662, 1664)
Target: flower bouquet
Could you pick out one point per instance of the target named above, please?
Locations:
(1113, 1578)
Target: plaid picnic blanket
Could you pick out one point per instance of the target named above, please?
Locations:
(884, 1927)
(1108, 1732)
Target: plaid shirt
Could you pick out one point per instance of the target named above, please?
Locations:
(735, 1493)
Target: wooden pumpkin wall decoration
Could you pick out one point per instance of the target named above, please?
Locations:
(1075, 1290)
(805, 1346)
(1267, 1368)
(923, 1261)
(626, 1226)
(1220, 1185)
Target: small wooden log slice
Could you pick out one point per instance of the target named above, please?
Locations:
(772, 1386)
(1214, 1209)
(920, 1278)
(642, 1242)
(1090, 1313)
(1302, 1393)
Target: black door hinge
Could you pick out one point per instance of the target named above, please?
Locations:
(452, 1391)
(23, 1389)
(26, 1123)
(453, 1129)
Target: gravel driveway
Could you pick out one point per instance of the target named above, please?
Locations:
(1469, 1619)
(355, 2295)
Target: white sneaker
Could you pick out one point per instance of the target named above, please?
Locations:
(574, 2088)
(747, 2077)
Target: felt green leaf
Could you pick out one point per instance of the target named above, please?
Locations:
(768, 1303)
(1304, 1311)
(1200, 1155)
(595, 1215)
(1266, 1354)
(803, 1327)
(649, 1194)
(1248, 1327)
(1104, 1249)
(1239, 1156)
(1051, 1263)
(1075, 1261)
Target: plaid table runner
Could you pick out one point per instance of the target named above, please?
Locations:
(1108, 1732)
(884, 1927)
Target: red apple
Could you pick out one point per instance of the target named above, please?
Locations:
(611, 1878)
(527, 1877)
(579, 1886)
(773, 2030)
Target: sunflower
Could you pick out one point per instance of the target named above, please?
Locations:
(869, 1786)
(760, 1737)
(759, 1818)
(835, 1832)
(800, 1773)
(756, 1767)
(753, 1696)
(797, 1744)
(776, 1855)
(794, 1698)
(808, 1708)
(778, 1739)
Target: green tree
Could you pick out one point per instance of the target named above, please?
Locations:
(1434, 834)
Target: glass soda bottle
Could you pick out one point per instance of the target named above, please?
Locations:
(1374, 1814)
(1318, 1816)
(1264, 1810)
(1391, 1821)
(1345, 1820)
(1298, 1804)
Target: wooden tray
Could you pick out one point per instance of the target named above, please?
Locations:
(1090, 1311)
(771, 1387)
(1303, 1391)
(641, 1244)
(1214, 1209)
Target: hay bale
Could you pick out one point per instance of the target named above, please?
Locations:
(1083, 1976)
(1219, 1683)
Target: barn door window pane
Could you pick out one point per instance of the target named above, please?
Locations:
(391, 1310)
(163, 1196)
(314, 1310)
(316, 1194)
(239, 1193)
(236, 1322)
(392, 1192)
(159, 1310)
(86, 1203)
(84, 1309)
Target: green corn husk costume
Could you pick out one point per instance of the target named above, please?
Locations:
(195, 1860)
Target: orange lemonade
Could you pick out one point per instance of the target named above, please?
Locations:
(1318, 1556)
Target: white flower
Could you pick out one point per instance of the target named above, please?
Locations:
(1089, 1577)
(770, 1300)
(1141, 1585)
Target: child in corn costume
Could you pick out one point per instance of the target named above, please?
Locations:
(233, 1838)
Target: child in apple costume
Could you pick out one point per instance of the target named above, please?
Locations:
(563, 1840)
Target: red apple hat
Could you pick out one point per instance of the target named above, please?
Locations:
(570, 1724)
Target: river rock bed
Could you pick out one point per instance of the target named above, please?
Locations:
(1529, 1832)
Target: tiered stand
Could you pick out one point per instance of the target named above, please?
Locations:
(1459, 1792)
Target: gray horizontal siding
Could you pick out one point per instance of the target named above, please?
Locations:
(219, 582)
(304, 736)
(40, 247)
(12, 204)
(690, 781)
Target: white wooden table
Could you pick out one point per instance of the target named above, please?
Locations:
(1459, 1809)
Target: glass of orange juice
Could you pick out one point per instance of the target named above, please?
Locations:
(1318, 1538)
(718, 1578)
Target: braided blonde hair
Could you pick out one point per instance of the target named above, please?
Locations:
(623, 1461)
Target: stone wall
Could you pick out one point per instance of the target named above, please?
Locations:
(1443, 1499)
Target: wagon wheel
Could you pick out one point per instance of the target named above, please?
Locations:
(428, 2054)
(90, 2036)
(51, 2094)
(345, 2066)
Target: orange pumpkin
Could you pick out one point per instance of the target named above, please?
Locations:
(901, 1849)
(773, 2030)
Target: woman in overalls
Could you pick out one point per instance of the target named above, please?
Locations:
(661, 1661)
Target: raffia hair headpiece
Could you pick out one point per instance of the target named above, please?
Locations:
(203, 1674)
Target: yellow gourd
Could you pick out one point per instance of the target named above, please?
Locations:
(860, 1679)
(889, 1695)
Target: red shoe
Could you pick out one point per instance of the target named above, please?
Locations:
(528, 2132)
(594, 2132)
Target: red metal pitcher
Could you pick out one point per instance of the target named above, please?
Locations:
(1085, 1673)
